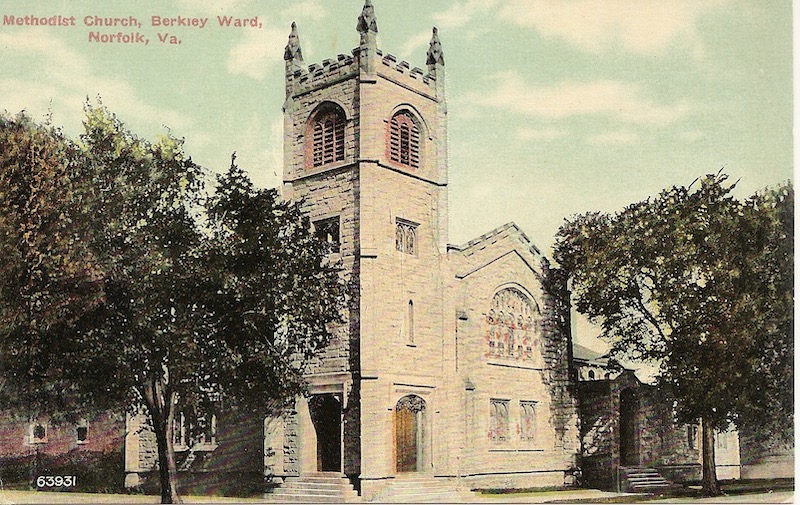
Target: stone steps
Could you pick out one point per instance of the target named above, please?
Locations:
(421, 490)
(317, 487)
(643, 480)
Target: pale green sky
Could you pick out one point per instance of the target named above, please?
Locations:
(556, 107)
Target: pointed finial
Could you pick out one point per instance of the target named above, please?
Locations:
(367, 22)
(435, 53)
(293, 53)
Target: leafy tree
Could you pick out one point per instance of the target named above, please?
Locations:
(701, 284)
(189, 297)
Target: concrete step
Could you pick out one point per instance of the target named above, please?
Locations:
(643, 480)
(448, 497)
(307, 498)
(420, 490)
(316, 487)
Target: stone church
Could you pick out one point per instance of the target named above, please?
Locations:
(455, 360)
(455, 363)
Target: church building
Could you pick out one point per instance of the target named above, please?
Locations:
(454, 361)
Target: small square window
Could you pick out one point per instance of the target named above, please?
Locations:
(327, 231)
(37, 433)
(82, 432)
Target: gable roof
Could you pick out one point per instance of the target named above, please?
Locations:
(484, 250)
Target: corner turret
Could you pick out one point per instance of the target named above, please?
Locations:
(293, 56)
(367, 28)
(435, 62)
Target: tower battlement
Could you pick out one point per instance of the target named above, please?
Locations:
(300, 79)
(367, 61)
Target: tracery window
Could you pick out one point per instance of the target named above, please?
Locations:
(498, 420)
(513, 321)
(406, 236)
(404, 140)
(527, 421)
(327, 137)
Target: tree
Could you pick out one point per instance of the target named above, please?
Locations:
(701, 284)
(193, 297)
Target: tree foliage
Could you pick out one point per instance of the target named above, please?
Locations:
(701, 284)
(126, 283)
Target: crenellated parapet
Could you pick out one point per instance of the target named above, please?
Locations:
(402, 72)
(301, 79)
(367, 62)
(316, 75)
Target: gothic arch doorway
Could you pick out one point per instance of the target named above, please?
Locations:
(409, 422)
(628, 446)
(326, 416)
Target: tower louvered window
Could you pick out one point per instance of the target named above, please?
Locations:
(328, 137)
(404, 140)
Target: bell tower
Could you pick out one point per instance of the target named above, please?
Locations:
(365, 151)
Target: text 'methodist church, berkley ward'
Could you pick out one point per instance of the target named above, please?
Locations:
(454, 362)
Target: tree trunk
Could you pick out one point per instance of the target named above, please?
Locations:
(710, 483)
(162, 414)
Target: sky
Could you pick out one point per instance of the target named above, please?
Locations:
(555, 107)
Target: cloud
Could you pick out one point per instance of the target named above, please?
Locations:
(258, 51)
(638, 26)
(619, 137)
(65, 78)
(307, 9)
(541, 134)
(461, 13)
(415, 43)
(226, 7)
(620, 100)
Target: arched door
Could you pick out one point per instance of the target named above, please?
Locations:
(409, 417)
(326, 415)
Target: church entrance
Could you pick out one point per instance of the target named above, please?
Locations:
(628, 449)
(326, 415)
(409, 422)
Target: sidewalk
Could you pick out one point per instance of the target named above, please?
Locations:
(567, 496)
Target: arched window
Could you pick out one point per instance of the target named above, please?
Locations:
(513, 322)
(498, 420)
(326, 137)
(404, 140)
(527, 421)
(406, 236)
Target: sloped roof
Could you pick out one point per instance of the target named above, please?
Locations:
(583, 353)
(492, 236)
